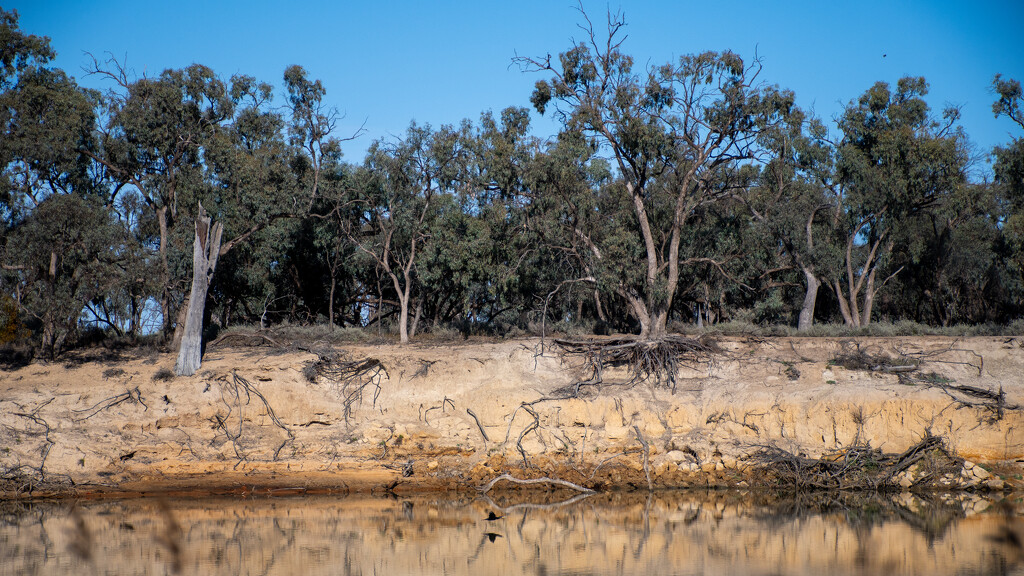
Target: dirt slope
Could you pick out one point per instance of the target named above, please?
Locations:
(252, 418)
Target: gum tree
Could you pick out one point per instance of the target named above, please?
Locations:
(669, 132)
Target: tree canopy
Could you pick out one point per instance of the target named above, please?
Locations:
(683, 193)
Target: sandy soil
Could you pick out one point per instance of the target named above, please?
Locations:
(452, 416)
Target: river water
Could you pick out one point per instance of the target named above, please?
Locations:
(688, 532)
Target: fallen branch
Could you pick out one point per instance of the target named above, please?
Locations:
(251, 336)
(544, 480)
(647, 456)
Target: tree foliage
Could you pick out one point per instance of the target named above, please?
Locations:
(686, 193)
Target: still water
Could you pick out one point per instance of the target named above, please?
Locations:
(689, 532)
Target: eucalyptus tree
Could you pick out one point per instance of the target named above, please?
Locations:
(249, 187)
(670, 130)
(60, 242)
(407, 182)
(894, 160)
(791, 206)
(152, 143)
(66, 251)
(1008, 169)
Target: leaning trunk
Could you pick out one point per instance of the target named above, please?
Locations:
(810, 299)
(205, 251)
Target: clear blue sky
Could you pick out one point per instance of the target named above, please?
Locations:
(390, 62)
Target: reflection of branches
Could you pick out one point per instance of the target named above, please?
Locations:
(533, 506)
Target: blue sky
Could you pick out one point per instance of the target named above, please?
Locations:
(390, 62)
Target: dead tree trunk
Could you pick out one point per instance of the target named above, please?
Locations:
(205, 251)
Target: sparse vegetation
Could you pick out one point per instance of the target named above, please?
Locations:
(163, 375)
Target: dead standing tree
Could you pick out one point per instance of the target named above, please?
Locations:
(205, 252)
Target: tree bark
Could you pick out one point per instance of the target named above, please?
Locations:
(206, 249)
(810, 299)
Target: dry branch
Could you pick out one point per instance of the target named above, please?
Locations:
(647, 456)
(478, 424)
(132, 395)
(859, 467)
(543, 480)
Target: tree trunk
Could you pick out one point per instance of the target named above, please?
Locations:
(165, 273)
(844, 305)
(810, 299)
(416, 317)
(869, 299)
(206, 249)
(403, 318)
(600, 309)
(330, 303)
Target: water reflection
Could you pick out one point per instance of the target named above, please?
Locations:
(518, 533)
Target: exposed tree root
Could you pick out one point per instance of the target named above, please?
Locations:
(859, 467)
(647, 360)
(478, 425)
(23, 478)
(235, 389)
(352, 377)
(132, 395)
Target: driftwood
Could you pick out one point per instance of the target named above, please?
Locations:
(543, 480)
(859, 467)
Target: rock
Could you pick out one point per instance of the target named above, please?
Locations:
(906, 481)
(719, 465)
(676, 456)
(688, 466)
(432, 465)
(995, 483)
(828, 375)
(980, 473)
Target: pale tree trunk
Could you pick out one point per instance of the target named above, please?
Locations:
(403, 301)
(330, 303)
(205, 251)
(179, 323)
(165, 274)
(844, 305)
(600, 309)
(810, 299)
(416, 317)
(640, 311)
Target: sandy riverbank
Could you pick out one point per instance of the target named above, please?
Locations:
(451, 416)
